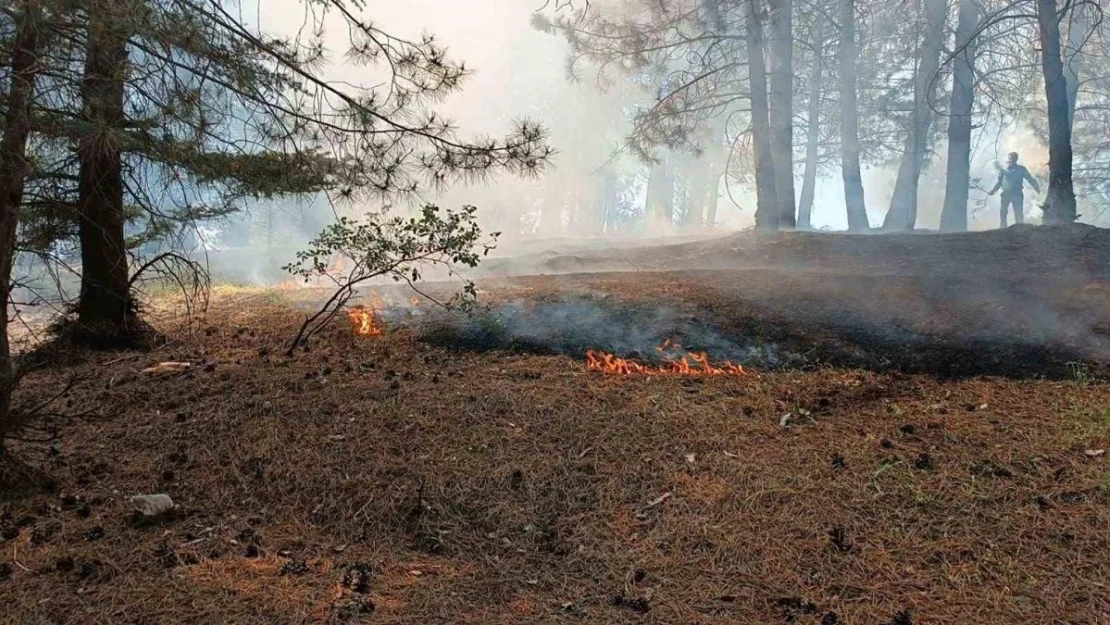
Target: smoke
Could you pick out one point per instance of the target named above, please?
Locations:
(573, 325)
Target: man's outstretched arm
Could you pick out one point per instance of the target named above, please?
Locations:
(997, 185)
(1032, 181)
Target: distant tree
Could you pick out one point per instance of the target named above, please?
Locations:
(851, 151)
(781, 102)
(24, 55)
(768, 210)
(953, 216)
(1060, 200)
(902, 214)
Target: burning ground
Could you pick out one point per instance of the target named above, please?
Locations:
(445, 471)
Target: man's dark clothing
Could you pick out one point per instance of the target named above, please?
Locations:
(1018, 202)
(1012, 182)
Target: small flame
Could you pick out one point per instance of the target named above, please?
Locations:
(363, 322)
(689, 365)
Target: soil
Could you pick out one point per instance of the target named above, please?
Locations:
(875, 478)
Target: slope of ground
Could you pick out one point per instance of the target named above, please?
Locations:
(411, 478)
(385, 480)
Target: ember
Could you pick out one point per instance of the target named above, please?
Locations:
(364, 322)
(690, 364)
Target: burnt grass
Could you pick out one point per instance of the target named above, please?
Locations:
(1025, 303)
(398, 480)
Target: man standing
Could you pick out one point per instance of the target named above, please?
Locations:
(1012, 182)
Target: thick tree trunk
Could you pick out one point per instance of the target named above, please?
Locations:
(1079, 26)
(902, 214)
(1060, 200)
(697, 181)
(813, 132)
(713, 199)
(849, 122)
(767, 212)
(719, 150)
(781, 49)
(105, 309)
(13, 171)
(953, 217)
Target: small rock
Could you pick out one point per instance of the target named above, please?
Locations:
(1095, 453)
(924, 462)
(294, 567)
(358, 577)
(152, 505)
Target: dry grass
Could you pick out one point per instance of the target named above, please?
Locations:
(510, 488)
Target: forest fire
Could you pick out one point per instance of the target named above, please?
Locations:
(689, 365)
(364, 322)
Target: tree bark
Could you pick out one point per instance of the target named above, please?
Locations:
(659, 200)
(767, 212)
(902, 214)
(849, 122)
(697, 188)
(953, 217)
(1060, 200)
(1079, 25)
(105, 309)
(713, 200)
(781, 49)
(13, 172)
(813, 131)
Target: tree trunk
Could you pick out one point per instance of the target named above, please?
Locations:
(13, 171)
(1079, 25)
(105, 309)
(781, 49)
(953, 217)
(767, 212)
(1060, 200)
(813, 132)
(902, 214)
(713, 200)
(849, 122)
(719, 150)
(697, 179)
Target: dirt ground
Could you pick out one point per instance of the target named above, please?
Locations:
(395, 479)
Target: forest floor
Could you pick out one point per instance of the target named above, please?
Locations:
(917, 440)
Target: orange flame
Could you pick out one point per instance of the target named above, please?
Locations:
(690, 365)
(363, 322)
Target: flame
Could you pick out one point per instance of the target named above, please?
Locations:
(363, 322)
(692, 364)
